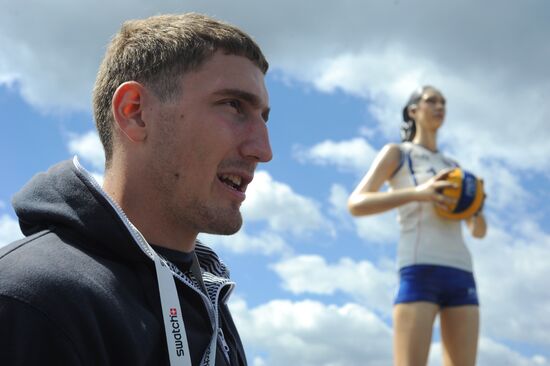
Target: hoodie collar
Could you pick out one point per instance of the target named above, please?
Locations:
(66, 199)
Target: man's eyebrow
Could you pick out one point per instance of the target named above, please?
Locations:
(246, 96)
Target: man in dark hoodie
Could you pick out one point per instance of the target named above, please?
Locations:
(114, 275)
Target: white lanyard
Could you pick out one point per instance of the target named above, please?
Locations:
(174, 328)
(176, 337)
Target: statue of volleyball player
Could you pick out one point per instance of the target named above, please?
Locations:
(435, 267)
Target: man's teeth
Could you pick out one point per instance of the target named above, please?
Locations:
(235, 180)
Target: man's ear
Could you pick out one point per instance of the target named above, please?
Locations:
(127, 108)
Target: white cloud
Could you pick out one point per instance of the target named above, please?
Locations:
(386, 74)
(353, 155)
(7, 79)
(506, 193)
(266, 243)
(373, 229)
(494, 353)
(382, 228)
(312, 333)
(338, 200)
(54, 48)
(364, 281)
(88, 147)
(385, 78)
(258, 361)
(308, 333)
(9, 230)
(512, 276)
(283, 209)
(490, 353)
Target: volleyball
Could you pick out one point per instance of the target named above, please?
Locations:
(468, 193)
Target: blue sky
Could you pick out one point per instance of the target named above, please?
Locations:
(314, 285)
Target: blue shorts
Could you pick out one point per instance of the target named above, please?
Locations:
(445, 286)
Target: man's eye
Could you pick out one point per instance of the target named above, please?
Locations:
(235, 104)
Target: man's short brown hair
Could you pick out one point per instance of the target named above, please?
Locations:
(156, 52)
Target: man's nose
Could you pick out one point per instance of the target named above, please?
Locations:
(257, 146)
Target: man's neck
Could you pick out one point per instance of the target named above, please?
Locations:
(148, 219)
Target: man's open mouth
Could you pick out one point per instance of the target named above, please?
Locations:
(233, 181)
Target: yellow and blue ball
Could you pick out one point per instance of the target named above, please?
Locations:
(468, 193)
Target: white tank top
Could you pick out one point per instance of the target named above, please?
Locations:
(425, 237)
